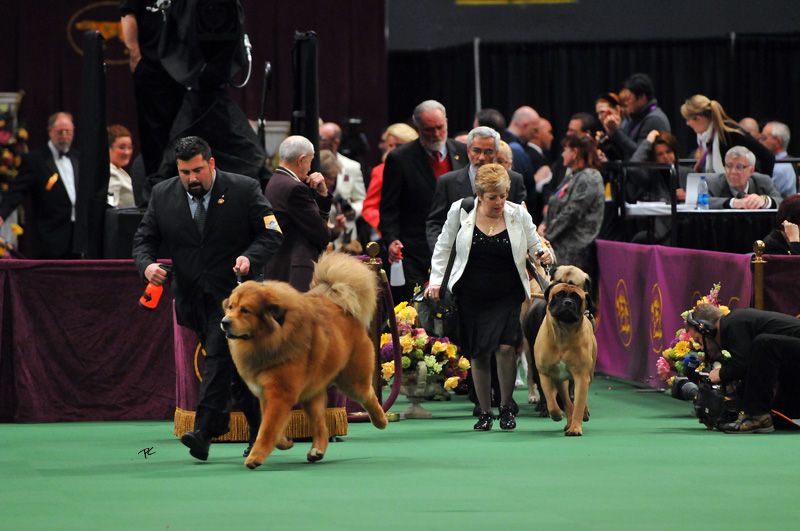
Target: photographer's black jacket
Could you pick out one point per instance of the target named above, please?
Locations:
(739, 329)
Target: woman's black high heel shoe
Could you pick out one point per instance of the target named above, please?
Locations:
(484, 422)
(507, 419)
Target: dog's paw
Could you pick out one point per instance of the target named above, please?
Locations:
(586, 415)
(533, 396)
(284, 444)
(569, 431)
(252, 463)
(314, 455)
(556, 415)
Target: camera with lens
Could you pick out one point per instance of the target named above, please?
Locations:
(714, 404)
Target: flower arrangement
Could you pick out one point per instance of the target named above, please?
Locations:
(685, 355)
(438, 353)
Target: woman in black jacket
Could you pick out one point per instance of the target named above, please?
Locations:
(717, 133)
(785, 238)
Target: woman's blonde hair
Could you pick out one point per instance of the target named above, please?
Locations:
(699, 105)
(402, 132)
(329, 165)
(492, 178)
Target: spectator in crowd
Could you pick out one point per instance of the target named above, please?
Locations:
(519, 133)
(349, 192)
(540, 143)
(785, 238)
(409, 182)
(660, 147)
(643, 115)
(48, 176)
(483, 143)
(494, 119)
(548, 178)
(775, 137)
(395, 135)
(158, 96)
(717, 133)
(214, 225)
(763, 347)
(504, 157)
(302, 204)
(607, 108)
(490, 281)
(575, 210)
(120, 150)
(750, 125)
(740, 187)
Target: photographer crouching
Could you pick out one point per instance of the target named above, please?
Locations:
(764, 348)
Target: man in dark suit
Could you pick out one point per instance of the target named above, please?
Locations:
(49, 176)
(302, 203)
(739, 187)
(409, 182)
(215, 226)
(483, 143)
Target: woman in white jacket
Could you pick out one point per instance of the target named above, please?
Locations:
(489, 279)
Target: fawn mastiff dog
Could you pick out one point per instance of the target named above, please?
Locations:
(565, 347)
(289, 346)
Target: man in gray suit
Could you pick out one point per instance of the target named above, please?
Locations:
(739, 187)
(483, 144)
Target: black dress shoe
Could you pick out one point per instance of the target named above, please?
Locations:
(507, 419)
(198, 444)
(484, 422)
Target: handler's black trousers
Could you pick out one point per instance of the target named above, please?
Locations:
(773, 358)
(221, 381)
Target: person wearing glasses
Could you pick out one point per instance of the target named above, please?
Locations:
(483, 144)
(740, 187)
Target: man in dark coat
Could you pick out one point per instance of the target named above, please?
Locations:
(409, 181)
(763, 348)
(49, 176)
(215, 226)
(483, 144)
(302, 204)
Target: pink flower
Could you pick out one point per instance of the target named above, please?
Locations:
(663, 369)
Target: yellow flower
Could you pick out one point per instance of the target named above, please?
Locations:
(387, 369)
(407, 315)
(451, 383)
(681, 348)
(16, 229)
(451, 350)
(407, 343)
(463, 364)
(400, 306)
(724, 309)
(438, 347)
(386, 338)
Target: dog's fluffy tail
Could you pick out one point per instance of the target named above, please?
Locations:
(349, 282)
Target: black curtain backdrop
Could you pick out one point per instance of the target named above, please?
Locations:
(39, 59)
(750, 76)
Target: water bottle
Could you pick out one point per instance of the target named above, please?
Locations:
(396, 275)
(702, 193)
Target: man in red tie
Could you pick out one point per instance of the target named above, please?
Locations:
(409, 182)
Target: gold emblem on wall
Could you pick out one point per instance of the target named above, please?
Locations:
(102, 17)
(656, 326)
(623, 310)
(197, 352)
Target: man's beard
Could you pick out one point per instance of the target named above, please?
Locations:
(433, 146)
(196, 190)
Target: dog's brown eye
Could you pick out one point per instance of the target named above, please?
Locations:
(243, 310)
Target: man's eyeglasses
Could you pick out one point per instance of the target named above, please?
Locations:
(737, 167)
(477, 152)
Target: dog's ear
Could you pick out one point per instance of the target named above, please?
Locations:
(276, 312)
(225, 304)
(590, 307)
(547, 290)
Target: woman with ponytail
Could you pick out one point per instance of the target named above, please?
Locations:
(717, 133)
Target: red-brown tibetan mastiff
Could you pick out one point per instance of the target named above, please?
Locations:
(290, 346)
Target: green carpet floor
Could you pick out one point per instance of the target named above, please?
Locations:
(643, 463)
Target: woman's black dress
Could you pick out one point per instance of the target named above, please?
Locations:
(489, 296)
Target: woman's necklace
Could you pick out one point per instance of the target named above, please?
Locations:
(488, 219)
